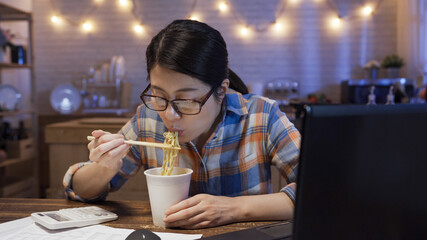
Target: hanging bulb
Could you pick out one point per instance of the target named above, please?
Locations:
(194, 17)
(55, 19)
(244, 31)
(87, 26)
(222, 6)
(367, 10)
(336, 22)
(124, 3)
(278, 26)
(138, 28)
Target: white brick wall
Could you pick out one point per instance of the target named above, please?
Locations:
(308, 50)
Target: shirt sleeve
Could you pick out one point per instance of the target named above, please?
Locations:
(131, 165)
(288, 190)
(68, 187)
(283, 144)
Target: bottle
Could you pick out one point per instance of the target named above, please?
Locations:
(390, 96)
(22, 132)
(371, 96)
(7, 131)
(2, 140)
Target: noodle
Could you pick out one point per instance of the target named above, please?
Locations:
(169, 155)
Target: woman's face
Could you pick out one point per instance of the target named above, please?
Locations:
(173, 85)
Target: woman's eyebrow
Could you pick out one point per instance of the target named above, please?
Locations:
(188, 89)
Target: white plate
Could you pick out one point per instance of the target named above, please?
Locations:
(65, 99)
(120, 67)
(9, 97)
(113, 69)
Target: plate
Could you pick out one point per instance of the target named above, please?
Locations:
(113, 69)
(120, 67)
(9, 97)
(65, 99)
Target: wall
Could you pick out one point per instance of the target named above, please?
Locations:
(308, 50)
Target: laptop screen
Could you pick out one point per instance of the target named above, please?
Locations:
(362, 173)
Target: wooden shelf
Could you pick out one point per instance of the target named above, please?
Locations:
(19, 174)
(11, 186)
(12, 161)
(14, 113)
(14, 65)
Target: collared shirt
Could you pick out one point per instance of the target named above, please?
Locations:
(236, 160)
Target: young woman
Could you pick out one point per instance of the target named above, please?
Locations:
(228, 137)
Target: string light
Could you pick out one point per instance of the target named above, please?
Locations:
(336, 22)
(124, 3)
(55, 19)
(244, 31)
(367, 10)
(138, 28)
(223, 7)
(278, 26)
(194, 17)
(87, 26)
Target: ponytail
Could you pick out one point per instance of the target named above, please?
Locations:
(236, 82)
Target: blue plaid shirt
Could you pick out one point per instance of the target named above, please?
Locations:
(253, 135)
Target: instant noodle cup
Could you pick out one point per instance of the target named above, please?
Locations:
(165, 191)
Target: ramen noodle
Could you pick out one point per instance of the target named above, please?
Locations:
(169, 155)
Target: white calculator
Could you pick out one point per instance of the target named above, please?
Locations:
(73, 217)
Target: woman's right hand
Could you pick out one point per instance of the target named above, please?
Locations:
(107, 149)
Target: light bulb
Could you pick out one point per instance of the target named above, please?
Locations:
(87, 26)
(367, 10)
(55, 19)
(194, 17)
(124, 3)
(223, 6)
(138, 28)
(336, 22)
(244, 31)
(278, 26)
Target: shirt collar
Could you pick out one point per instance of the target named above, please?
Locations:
(235, 102)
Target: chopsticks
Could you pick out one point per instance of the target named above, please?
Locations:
(147, 144)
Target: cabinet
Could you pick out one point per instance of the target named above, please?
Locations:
(19, 170)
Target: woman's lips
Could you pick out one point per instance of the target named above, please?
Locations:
(180, 131)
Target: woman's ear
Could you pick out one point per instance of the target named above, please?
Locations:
(223, 88)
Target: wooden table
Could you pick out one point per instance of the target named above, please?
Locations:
(132, 214)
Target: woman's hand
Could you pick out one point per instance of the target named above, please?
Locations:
(201, 211)
(107, 149)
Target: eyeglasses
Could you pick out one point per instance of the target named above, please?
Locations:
(181, 106)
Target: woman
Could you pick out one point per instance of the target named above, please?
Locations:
(229, 140)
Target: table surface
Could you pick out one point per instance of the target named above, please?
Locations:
(132, 214)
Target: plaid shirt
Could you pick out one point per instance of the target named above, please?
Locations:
(253, 135)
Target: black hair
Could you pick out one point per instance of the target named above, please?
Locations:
(195, 49)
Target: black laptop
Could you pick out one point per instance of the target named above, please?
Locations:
(362, 175)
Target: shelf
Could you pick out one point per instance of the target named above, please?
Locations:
(9, 13)
(11, 186)
(98, 85)
(14, 65)
(12, 161)
(14, 113)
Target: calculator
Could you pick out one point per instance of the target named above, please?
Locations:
(73, 217)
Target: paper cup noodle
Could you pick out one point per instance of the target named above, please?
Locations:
(165, 191)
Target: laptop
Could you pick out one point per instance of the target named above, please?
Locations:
(362, 175)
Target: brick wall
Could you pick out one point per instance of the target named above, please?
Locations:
(308, 50)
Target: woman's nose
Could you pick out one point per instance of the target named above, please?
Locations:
(171, 113)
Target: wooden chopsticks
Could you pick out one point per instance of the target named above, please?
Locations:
(148, 144)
